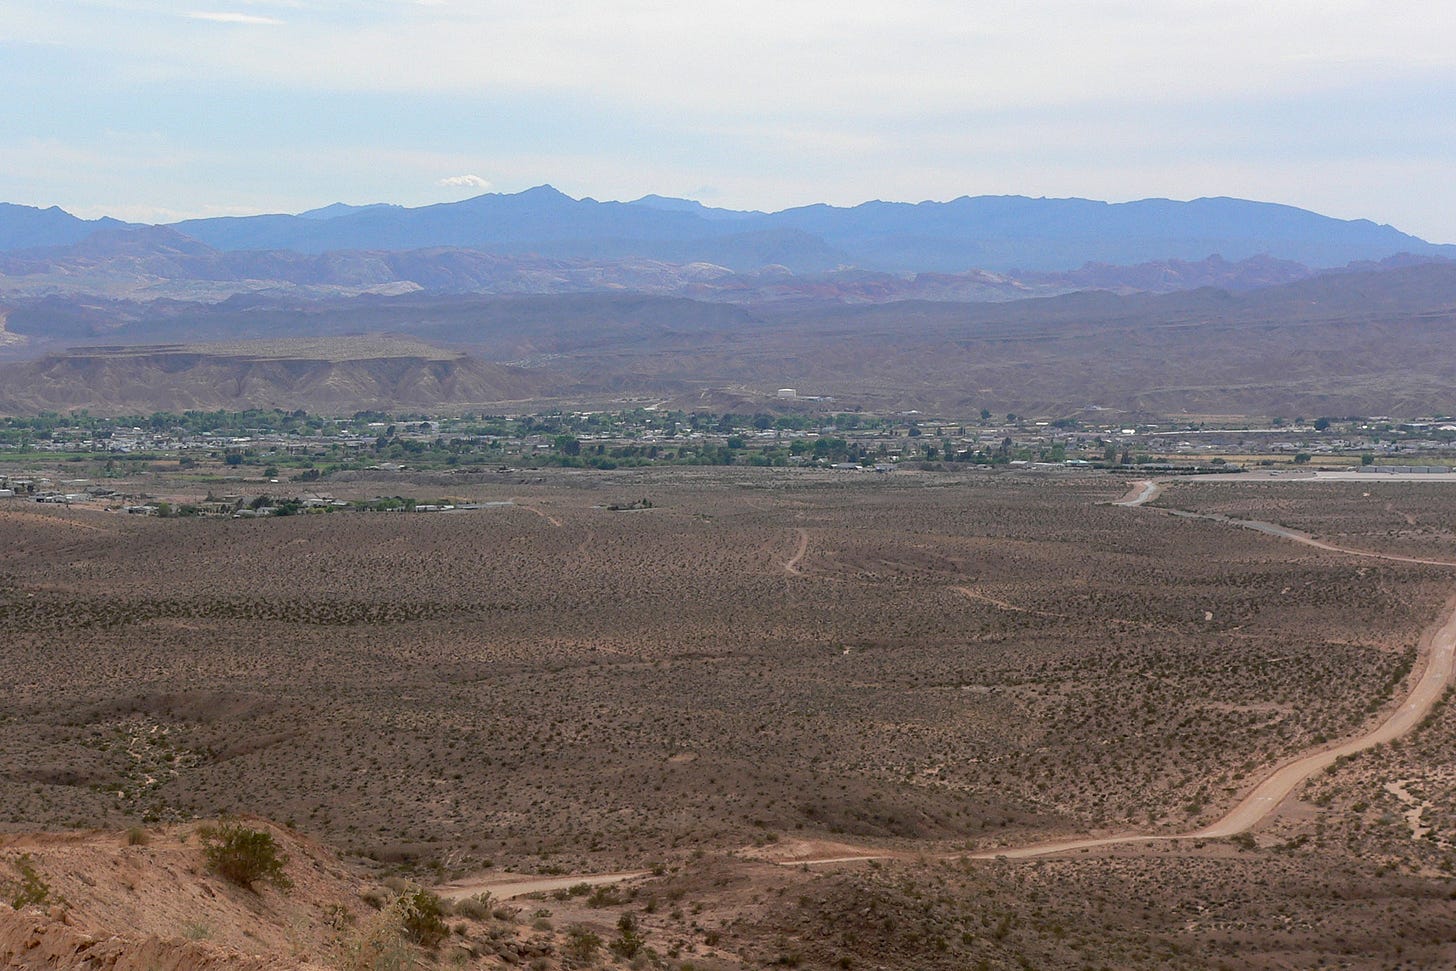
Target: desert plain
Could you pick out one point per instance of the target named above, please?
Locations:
(800, 707)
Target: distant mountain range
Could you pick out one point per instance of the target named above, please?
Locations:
(1216, 306)
(26, 227)
(989, 233)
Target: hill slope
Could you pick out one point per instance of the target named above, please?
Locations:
(346, 377)
(152, 263)
(1357, 343)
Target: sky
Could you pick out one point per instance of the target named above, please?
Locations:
(154, 111)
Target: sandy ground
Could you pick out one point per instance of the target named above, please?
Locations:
(507, 885)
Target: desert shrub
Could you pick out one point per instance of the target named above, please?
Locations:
(423, 917)
(136, 836)
(581, 944)
(338, 916)
(379, 944)
(243, 855)
(604, 896)
(628, 941)
(31, 890)
(477, 907)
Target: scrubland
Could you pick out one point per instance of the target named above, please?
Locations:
(919, 664)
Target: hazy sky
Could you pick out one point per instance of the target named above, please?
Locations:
(153, 110)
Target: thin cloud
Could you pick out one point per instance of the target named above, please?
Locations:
(226, 17)
(464, 182)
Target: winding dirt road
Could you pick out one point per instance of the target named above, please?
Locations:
(1436, 658)
(1284, 532)
(1438, 651)
(1435, 663)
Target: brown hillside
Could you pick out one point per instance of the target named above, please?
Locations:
(1353, 343)
(146, 901)
(316, 375)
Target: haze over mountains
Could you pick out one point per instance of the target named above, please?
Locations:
(996, 233)
(992, 233)
(540, 297)
(541, 241)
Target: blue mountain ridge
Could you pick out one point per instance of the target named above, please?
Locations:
(28, 227)
(997, 233)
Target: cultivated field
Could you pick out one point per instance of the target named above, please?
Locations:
(760, 661)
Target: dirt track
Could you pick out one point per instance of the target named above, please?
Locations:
(1435, 663)
(792, 566)
(1141, 492)
(507, 885)
(1437, 657)
(1284, 532)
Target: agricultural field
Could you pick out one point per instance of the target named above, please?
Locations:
(701, 671)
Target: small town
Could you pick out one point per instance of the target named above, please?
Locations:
(260, 463)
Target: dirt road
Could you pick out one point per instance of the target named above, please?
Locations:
(1438, 649)
(1436, 659)
(1284, 532)
(1145, 490)
(504, 886)
(792, 566)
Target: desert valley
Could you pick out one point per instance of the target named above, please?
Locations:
(538, 582)
(813, 715)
